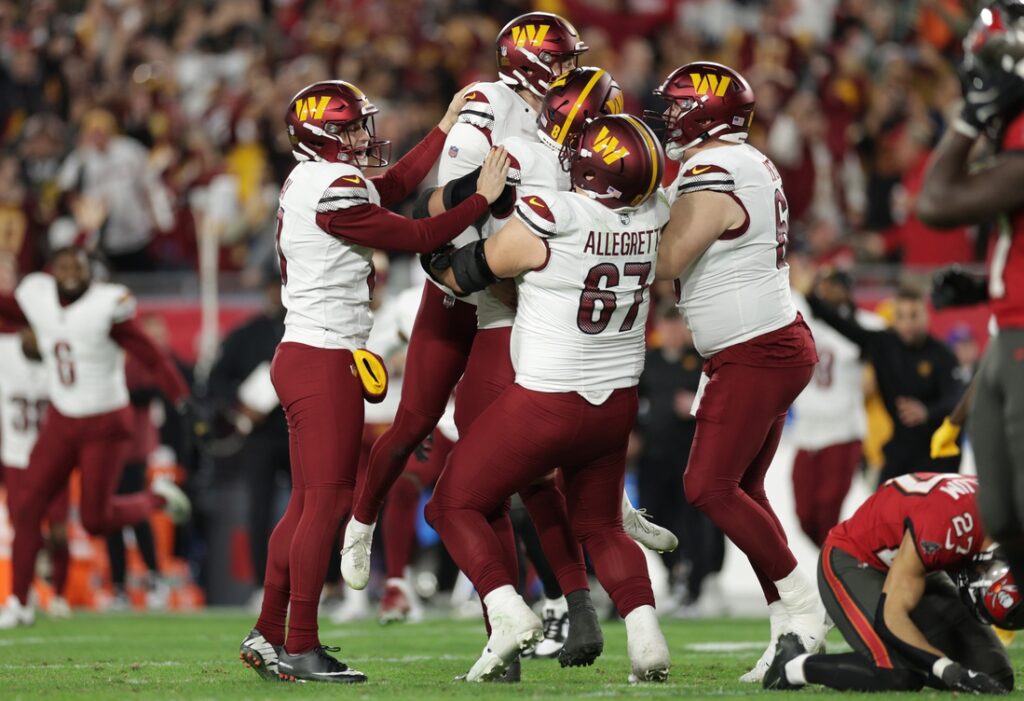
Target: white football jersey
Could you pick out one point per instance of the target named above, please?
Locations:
(493, 114)
(739, 288)
(23, 399)
(830, 410)
(533, 166)
(326, 281)
(84, 364)
(580, 325)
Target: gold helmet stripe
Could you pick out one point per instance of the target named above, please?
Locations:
(579, 103)
(651, 149)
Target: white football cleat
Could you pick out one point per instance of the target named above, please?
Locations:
(355, 554)
(649, 535)
(176, 502)
(514, 628)
(779, 624)
(556, 627)
(59, 608)
(13, 614)
(648, 652)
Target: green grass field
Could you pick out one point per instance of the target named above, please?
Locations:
(195, 657)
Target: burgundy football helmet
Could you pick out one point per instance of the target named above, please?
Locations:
(530, 45)
(617, 160)
(990, 591)
(706, 101)
(572, 99)
(326, 120)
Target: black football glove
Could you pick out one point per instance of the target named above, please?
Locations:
(428, 260)
(990, 95)
(953, 287)
(958, 678)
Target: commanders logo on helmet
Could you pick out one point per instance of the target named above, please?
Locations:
(530, 46)
(706, 101)
(322, 120)
(616, 160)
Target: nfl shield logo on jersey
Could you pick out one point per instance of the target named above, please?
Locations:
(453, 151)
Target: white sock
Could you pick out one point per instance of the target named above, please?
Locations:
(500, 597)
(778, 619)
(797, 593)
(640, 620)
(359, 527)
(795, 670)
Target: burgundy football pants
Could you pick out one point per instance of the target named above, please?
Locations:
(56, 521)
(513, 443)
(739, 424)
(442, 336)
(98, 446)
(400, 509)
(489, 373)
(323, 402)
(821, 480)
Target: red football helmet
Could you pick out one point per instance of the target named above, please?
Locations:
(617, 160)
(573, 98)
(529, 47)
(997, 37)
(706, 101)
(333, 121)
(991, 592)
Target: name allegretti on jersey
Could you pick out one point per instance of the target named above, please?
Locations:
(739, 288)
(580, 324)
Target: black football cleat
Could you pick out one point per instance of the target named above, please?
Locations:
(788, 648)
(316, 666)
(584, 643)
(260, 655)
(512, 675)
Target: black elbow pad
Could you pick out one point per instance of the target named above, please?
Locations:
(469, 265)
(421, 208)
(460, 189)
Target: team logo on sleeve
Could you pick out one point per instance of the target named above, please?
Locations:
(540, 207)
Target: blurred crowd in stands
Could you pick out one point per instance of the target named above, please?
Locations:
(134, 126)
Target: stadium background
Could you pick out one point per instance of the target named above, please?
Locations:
(852, 96)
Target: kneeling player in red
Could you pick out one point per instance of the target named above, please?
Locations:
(331, 217)
(586, 259)
(884, 578)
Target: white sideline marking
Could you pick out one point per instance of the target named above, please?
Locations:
(36, 640)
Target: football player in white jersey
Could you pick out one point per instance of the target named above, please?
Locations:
(725, 245)
(83, 328)
(586, 259)
(830, 420)
(532, 50)
(330, 219)
(23, 401)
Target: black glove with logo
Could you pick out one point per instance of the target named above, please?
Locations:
(991, 96)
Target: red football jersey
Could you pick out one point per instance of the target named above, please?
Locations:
(1006, 267)
(941, 511)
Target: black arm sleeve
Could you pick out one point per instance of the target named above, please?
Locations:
(460, 189)
(922, 660)
(469, 265)
(846, 326)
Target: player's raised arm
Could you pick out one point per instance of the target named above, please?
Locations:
(405, 175)
(129, 335)
(952, 194)
(367, 224)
